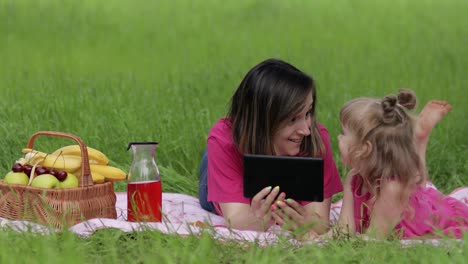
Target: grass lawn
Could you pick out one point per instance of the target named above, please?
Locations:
(117, 71)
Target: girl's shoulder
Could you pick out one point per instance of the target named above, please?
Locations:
(354, 179)
(392, 187)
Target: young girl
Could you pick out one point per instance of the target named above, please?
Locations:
(271, 113)
(385, 193)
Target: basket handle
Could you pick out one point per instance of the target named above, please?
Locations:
(86, 179)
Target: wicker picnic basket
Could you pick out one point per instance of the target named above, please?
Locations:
(59, 207)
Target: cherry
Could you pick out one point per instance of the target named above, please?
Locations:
(61, 175)
(17, 167)
(52, 172)
(27, 169)
(41, 170)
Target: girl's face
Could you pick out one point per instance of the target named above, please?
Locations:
(287, 140)
(344, 144)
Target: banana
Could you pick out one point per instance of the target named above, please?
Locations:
(97, 178)
(69, 159)
(109, 172)
(32, 155)
(21, 161)
(95, 156)
(62, 162)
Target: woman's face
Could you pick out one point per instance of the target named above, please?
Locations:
(287, 140)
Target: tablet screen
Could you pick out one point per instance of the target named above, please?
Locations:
(301, 178)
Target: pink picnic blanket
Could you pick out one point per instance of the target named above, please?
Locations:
(183, 215)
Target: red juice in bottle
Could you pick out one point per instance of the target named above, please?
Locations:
(144, 201)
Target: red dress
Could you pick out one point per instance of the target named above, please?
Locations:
(429, 213)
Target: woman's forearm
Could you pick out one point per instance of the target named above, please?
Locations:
(320, 225)
(247, 222)
(239, 216)
(318, 216)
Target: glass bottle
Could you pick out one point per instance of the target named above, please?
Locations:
(144, 193)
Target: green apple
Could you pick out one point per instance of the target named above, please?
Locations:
(45, 181)
(16, 178)
(71, 181)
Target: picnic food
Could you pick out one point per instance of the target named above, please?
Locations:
(66, 161)
(56, 198)
(42, 177)
(95, 156)
(110, 173)
(62, 162)
(71, 181)
(16, 178)
(45, 181)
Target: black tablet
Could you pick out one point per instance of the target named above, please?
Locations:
(301, 178)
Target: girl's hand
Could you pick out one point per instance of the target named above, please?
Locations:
(262, 202)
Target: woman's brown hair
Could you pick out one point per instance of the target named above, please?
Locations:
(272, 92)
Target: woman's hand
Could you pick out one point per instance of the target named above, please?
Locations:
(310, 220)
(262, 202)
(253, 216)
(289, 214)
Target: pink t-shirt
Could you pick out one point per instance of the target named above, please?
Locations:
(429, 211)
(225, 168)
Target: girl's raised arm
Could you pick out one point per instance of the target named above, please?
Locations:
(387, 210)
(346, 221)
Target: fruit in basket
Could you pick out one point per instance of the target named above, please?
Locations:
(45, 181)
(16, 178)
(27, 169)
(58, 162)
(71, 181)
(68, 160)
(60, 175)
(42, 170)
(17, 167)
(95, 156)
(98, 178)
(109, 172)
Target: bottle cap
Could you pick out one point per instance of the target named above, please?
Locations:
(141, 143)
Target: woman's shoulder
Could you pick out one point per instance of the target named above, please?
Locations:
(223, 125)
(324, 135)
(221, 130)
(323, 130)
(220, 141)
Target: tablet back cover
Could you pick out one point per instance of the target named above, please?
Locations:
(301, 178)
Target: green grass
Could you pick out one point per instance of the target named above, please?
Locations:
(118, 71)
(111, 246)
